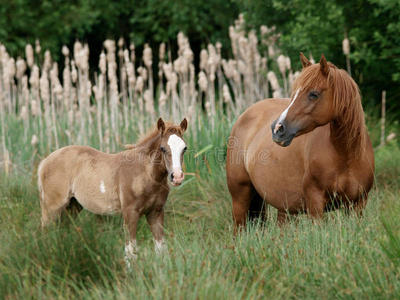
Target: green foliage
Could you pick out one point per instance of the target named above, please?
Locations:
(388, 165)
(317, 27)
(56, 23)
(53, 22)
(202, 21)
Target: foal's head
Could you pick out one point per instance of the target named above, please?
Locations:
(311, 105)
(173, 147)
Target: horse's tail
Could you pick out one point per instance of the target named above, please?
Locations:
(40, 184)
(41, 194)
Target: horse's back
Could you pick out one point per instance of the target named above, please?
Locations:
(66, 160)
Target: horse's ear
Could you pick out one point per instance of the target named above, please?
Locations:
(184, 125)
(324, 65)
(161, 125)
(304, 61)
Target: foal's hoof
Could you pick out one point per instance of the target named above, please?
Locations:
(130, 255)
(129, 259)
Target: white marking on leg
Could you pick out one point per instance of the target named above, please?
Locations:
(131, 251)
(284, 114)
(177, 145)
(102, 187)
(160, 246)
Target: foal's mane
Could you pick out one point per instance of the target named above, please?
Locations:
(146, 140)
(349, 114)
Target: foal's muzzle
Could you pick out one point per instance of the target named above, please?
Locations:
(177, 178)
(282, 134)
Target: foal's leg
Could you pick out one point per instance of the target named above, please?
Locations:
(156, 221)
(52, 206)
(131, 219)
(74, 207)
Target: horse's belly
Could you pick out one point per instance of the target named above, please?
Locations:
(98, 199)
(281, 188)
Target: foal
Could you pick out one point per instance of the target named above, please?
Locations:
(133, 182)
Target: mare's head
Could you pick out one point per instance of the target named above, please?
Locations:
(173, 147)
(320, 94)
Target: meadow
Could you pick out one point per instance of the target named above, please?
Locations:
(344, 257)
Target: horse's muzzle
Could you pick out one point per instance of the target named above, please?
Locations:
(177, 178)
(281, 135)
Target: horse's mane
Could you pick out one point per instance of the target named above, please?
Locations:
(150, 136)
(347, 105)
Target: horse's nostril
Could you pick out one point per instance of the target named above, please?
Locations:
(278, 128)
(281, 129)
(172, 176)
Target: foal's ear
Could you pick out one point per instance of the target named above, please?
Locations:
(304, 61)
(184, 124)
(324, 65)
(161, 125)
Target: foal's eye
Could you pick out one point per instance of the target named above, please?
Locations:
(162, 149)
(314, 95)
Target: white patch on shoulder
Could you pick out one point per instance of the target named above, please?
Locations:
(177, 145)
(284, 114)
(102, 187)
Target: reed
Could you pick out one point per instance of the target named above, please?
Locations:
(125, 93)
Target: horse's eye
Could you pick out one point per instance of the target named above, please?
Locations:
(163, 149)
(184, 149)
(313, 95)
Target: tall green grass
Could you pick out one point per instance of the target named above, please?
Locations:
(344, 257)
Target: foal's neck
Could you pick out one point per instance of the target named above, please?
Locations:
(151, 149)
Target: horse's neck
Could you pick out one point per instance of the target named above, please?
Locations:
(345, 144)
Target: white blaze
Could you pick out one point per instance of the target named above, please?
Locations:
(102, 187)
(284, 114)
(177, 145)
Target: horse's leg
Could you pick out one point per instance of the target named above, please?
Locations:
(156, 221)
(258, 208)
(358, 206)
(74, 207)
(241, 200)
(315, 201)
(131, 219)
(52, 205)
(282, 217)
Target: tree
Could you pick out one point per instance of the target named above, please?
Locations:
(316, 27)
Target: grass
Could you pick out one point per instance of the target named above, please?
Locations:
(344, 257)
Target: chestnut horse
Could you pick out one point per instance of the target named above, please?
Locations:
(133, 182)
(329, 162)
